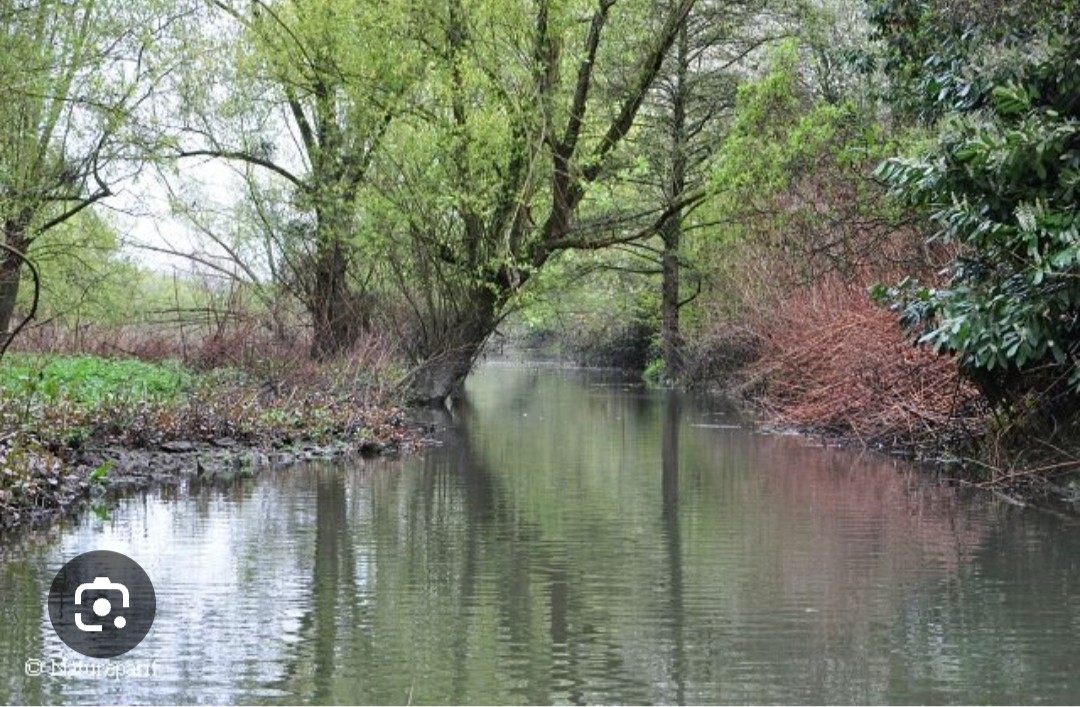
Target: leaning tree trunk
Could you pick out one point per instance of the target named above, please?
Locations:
(448, 360)
(10, 274)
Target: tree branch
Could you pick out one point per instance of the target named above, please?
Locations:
(584, 80)
(88, 201)
(250, 159)
(622, 123)
(688, 202)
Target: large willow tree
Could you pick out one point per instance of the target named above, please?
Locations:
(514, 152)
(300, 94)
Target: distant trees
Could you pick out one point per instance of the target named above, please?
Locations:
(86, 281)
(680, 150)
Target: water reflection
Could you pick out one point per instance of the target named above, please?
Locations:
(579, 539)
(669, 464)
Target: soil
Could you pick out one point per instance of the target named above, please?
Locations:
(76, 484)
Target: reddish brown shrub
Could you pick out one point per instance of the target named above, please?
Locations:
(833, 362)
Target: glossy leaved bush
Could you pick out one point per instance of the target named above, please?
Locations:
(1000, 184)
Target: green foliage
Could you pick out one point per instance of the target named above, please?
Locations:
(89, 284)
(90, 380)
(790, 193)
(656, 372)
(1001, 184)
(754, 157)
(84, 276)
(72, 74)
(101, 474)
(945, 56)
(778, 134)
(585, 307)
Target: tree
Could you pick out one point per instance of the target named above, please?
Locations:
(1000, 184)
(514, 156)
(305, 103)
(72, 74)
(86, 279)
(685, 123)
(672, 229)
(691, 100)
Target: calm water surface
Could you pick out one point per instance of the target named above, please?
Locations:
(576, 540)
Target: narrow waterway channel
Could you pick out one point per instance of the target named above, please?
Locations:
(574, 539)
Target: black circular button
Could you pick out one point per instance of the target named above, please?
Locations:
(102, 604)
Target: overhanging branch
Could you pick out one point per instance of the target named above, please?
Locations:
(250, 159)
(684, 205)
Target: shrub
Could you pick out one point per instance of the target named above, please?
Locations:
(1001, 182)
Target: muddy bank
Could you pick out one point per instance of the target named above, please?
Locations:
(67, 483)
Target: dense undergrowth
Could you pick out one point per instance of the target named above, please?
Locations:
(834, 363)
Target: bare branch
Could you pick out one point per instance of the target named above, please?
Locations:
(687, 203)
(250, 159)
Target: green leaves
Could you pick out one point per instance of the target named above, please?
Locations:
(1011, 100)
(1000, 184)
(101, 473)
(91, 380)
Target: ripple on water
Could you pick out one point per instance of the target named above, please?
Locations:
(574, 543)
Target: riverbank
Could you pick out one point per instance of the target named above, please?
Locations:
(838, 368)
(1019, 462)
(76, 429)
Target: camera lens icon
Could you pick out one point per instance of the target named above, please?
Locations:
(102, 604)
(102, 607)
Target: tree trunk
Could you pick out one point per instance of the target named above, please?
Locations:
(335, 311)
(444, 367)
(670, 334)
(11, 273)
(671, 232)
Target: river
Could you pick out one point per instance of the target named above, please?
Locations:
(575, 539)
